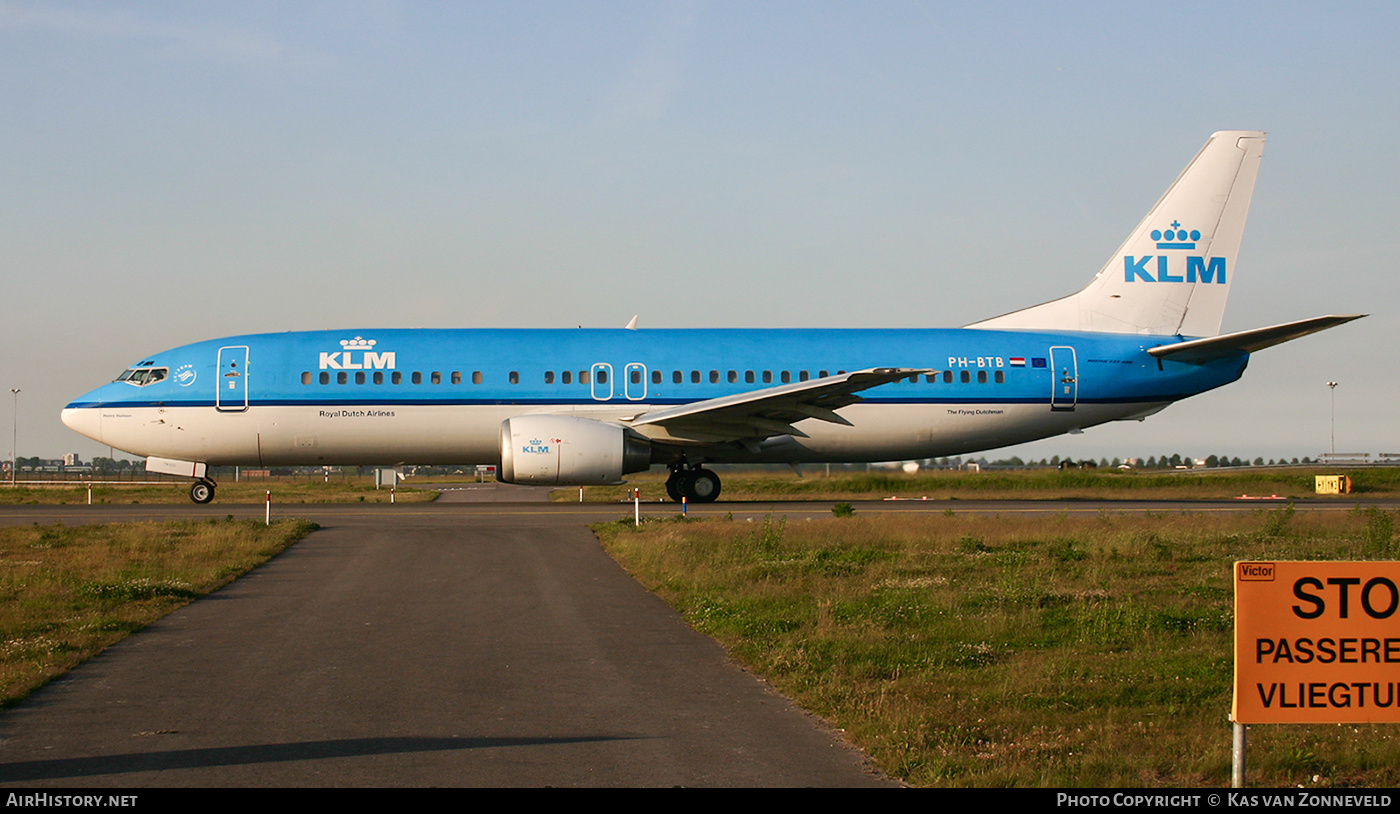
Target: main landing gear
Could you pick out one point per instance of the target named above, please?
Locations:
(695, 485)
(202, 490)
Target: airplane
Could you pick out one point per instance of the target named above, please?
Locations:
(589, 406)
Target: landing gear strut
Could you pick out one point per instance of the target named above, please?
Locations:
(202, 491)
(695, 485)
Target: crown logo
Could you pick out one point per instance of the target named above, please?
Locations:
(1176, 237)
(357, 344)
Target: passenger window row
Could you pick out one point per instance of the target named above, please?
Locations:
(394, 377)
(635, 375)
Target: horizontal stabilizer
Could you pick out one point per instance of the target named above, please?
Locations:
(1218, 347)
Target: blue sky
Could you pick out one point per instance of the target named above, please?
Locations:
(171, 172)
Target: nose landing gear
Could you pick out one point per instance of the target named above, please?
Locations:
(202, 491)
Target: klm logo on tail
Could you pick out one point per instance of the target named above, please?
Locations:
(1198, 268)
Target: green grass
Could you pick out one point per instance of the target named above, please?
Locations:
(756, 485)
(972, 650)
(68, 592)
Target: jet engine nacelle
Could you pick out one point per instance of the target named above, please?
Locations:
(557, 450)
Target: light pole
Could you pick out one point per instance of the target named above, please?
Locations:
(1333, 387)
(14, 438)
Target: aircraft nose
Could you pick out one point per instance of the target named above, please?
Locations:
(85, 420)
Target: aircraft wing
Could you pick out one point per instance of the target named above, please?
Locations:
(1198, 351)
(771, 411)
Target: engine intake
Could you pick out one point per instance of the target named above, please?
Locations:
(557, 450)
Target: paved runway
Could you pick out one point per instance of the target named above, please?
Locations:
(448, 644)
(417, 645)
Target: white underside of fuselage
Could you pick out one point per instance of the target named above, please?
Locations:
(457, 434)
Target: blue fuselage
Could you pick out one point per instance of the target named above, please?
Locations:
(438, 396)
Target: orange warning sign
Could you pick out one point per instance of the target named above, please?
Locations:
(1317, 642)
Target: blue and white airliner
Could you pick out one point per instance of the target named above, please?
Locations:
(572, 407)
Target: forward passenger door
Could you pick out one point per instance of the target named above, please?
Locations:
(231, 393)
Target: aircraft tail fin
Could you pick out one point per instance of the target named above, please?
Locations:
(1172, 276)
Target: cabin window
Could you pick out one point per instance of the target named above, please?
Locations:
(378, 377)
(476, 377)
(515, 377)
(787, 376)
(396, 378)
(677, 377)
(602, 377)
(342, 377)
(549, 377)
(360, 377)
(822, 374)
(567, 377)
(417, 377)
(965, 377)
(583, 377)
(748, 377)
(325, 377)
(636, 376)
(803, 376)
(767, 377)
(931, 378)
(1000, 376)
(694, 377)
(306, 377)
(981, 377)
(714, 377)
(947, 377)
(456, 377)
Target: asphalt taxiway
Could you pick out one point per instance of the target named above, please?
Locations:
(416, 645)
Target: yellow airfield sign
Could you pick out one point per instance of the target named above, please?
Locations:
(1317, 642)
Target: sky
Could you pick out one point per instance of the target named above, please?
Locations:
(172, 172)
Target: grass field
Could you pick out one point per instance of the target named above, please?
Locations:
(975, 650)
(1022, 484)
(67, 592)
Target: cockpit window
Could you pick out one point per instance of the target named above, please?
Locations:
(142, 376)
